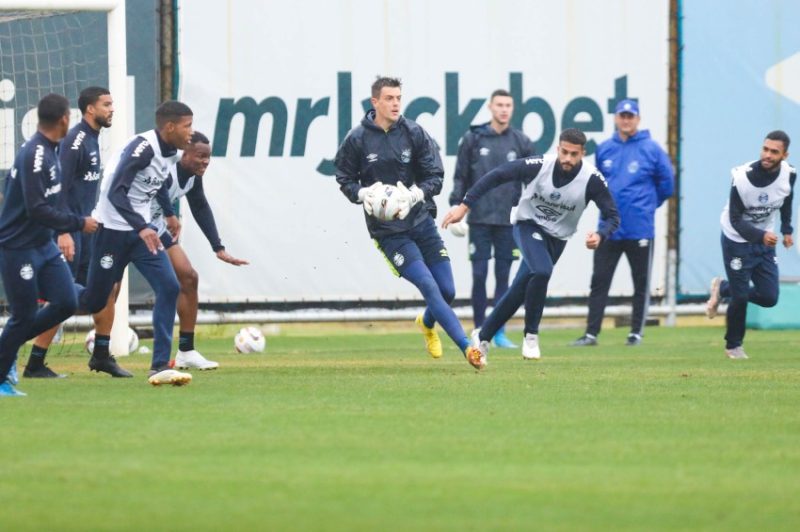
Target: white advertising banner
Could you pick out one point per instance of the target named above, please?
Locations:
(277, 85)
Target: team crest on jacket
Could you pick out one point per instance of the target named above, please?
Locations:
(736, 264)
(511, 156)
(763, 197)
(107, 261)
(398, 259)
(405, 156)
(633, 167)
(26, 272)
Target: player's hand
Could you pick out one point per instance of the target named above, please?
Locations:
(89, 225)
(67, 246)
(151, 240)
(366, 195)
(770, 239)
(593, 240)
(459, 229)
(455, 215)
(224, 256)
(174, 227)
(788, 241)
(408, 197)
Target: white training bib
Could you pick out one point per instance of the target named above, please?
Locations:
(557, 210)
(144, 187)
(761, 204)
(175, 192)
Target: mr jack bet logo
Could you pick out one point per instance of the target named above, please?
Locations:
(582, 112)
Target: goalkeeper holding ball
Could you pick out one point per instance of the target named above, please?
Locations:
(387, 148)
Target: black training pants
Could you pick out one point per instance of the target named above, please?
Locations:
(606, 258)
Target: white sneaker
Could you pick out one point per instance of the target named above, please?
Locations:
(482, 345)
(737, 353)
(530, 347)
(170, 376)
(193, 360)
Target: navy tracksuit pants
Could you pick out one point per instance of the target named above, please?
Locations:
(540, 252)
(747, 263)
(30, 274)
(112, 251)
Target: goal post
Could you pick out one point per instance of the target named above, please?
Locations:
(117, 84)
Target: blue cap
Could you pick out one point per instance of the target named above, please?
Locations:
(627, 106)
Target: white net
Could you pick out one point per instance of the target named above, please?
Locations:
(43, 52)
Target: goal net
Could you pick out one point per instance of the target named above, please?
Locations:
(64, 50)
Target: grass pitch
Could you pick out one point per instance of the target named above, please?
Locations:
(360, 430)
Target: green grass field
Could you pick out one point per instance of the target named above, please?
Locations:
(338, 428)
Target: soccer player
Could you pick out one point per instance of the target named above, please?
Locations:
(759, 190)
(387, 146)
(186, 179)
(557, 189)
(133, 177)
(640, 178)
(79, 155)
(482, 149)
(31, 265)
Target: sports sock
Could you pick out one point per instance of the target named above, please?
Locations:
(186, 341)
(36, 360)
(419, 275)
(101, 343)
(443, 275)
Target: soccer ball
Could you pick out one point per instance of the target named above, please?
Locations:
(133, 341)
(249, 340)
(386, 205)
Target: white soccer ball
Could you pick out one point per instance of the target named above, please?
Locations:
(459, 229)
(133, 341)
(249, 340)
(385, 204)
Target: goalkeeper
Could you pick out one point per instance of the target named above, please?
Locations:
(388, 148)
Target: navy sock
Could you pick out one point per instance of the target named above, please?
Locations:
(438, 308)
(37, 356)
(186, 341)
(101, 343)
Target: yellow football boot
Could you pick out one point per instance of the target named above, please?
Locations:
(432, 342)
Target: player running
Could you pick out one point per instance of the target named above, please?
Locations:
(388, 147)
(132, 179)
(79, 155)
(760, 189)
(557, 189)
(31, 265)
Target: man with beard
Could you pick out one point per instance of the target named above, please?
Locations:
(759, 190)
(79, 155)
(556, 190)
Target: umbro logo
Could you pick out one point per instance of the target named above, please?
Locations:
(372, 157)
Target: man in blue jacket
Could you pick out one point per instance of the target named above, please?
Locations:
(640, 177)
(483, 148)
(31, 265)
(388, 147)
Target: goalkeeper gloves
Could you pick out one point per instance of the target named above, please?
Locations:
(366, 195)
(408, 198)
